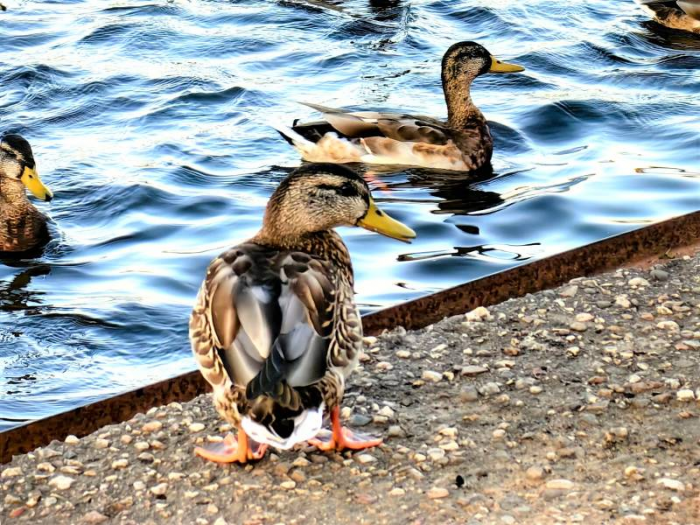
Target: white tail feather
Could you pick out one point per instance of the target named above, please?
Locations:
(306, 426)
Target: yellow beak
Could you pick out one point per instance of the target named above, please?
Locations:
(377, 221)
(30, 178)
(503, 67)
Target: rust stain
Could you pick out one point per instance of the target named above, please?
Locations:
(642, 246)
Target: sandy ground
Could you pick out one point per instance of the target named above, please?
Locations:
(574, 405)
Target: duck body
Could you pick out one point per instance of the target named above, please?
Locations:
(682, 14)
(463, 142)
(23, 228)
(275, 329)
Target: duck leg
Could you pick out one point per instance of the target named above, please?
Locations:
(233, 449)
(342, 438)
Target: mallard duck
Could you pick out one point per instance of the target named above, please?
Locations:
(22, 226)
(275, 329)
(462, 143)
(681, 14)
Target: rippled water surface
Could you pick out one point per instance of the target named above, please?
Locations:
(150, 121)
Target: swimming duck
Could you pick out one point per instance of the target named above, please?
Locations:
(22, 226)
(275, 329)
(681, 14)
(462, 143)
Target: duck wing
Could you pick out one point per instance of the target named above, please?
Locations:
(264, 320)
(395, 126)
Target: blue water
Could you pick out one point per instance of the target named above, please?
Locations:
(150, 121)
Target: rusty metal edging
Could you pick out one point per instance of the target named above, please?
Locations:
(550, 272)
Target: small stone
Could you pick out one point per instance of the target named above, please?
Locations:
(671, 484)
(159, 490)
(622, 301)
(12, 500)
(430, 375)
(535, 389)
(685, 394)
(11, 472)
(141, 446)
(569, 291)
(61, 482)
(490, 389)
(196, 427)
(395, 431)
(638, 281)
(46, 467)
(220, 521)
(212, 509)
(671, 326)
(473, 370)
(288, 485)
(397, 492)
(101, 443)
(403, 354)
(120, 464)
(577, 326)
(478, 314)
(469, 394)
(438, 493)
(386, 412)
(659, 275)
(139, 485)
(498, 434)
(152, 426)
(364, 459)
(559, 484)
(436, 454)
(534, 473)
(94, 517)
(584, 317)
(71, 440)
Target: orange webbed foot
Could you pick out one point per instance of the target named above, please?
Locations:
(233, 449)
(342, 438)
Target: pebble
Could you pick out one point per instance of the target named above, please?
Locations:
(668, 325)
(139, 485)
(534, 473)
(71, 440)
(196, 427)
(569, 291)
(473, 370)
(559, 484)
(101, 443)
(141, 446)
(61, 482)
(288, 485)
(395, 431)
(578, 326)
(403, 354)
(94, 517)
(685, 394)
(430, 375)
(659, 275)
(11, 472)
(536, 390)
(438, 493)
(672, 484)
(364, 459)
(159, 490)
(584, 317)
(498, 434)
(621, 300)
(478, 314)
(469, 393)
(490, 389)
(120, 464)
(638, 281)
(397, 492)
(152, 426)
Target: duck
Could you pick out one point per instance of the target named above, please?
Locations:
(680, 14)
(275, 329)
(462, 143)
(23, 228)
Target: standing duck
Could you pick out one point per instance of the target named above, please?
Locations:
(681, 14)
(462, 143)
(22, 226)
(275, 329)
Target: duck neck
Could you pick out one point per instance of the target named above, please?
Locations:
(12, 192)
(461, 111)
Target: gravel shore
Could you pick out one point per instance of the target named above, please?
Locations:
(573, 405)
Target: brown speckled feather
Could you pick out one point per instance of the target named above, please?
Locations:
(279, 325)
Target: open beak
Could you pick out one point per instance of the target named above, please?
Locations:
(503, 67)
(377, 221)
(30, 178)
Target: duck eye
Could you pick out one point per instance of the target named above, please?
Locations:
(346, 190)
